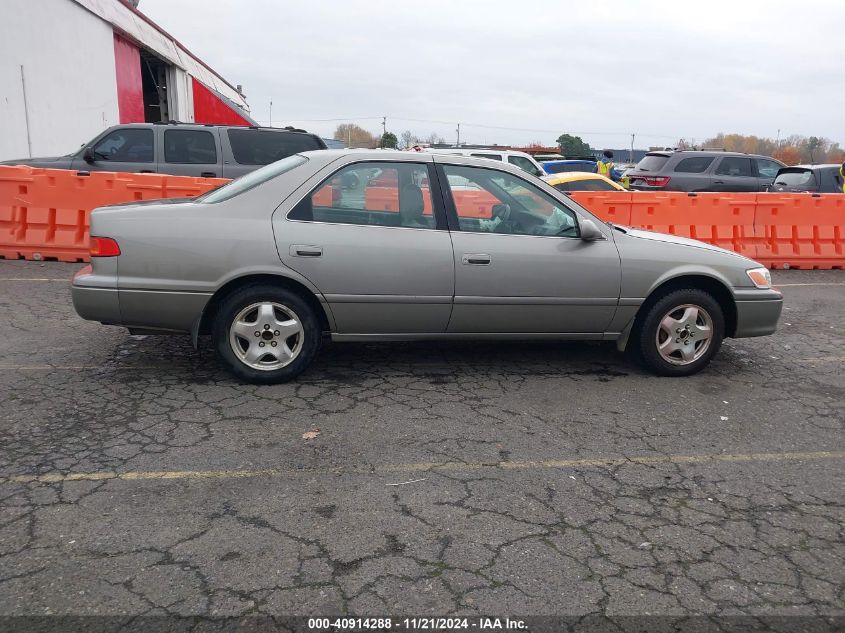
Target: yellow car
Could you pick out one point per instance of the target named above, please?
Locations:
(582, 181)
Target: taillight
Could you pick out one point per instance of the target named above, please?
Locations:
(104, 247)
(656, 181)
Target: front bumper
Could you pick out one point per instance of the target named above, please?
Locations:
(757, 312)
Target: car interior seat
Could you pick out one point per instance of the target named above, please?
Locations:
(412, 207)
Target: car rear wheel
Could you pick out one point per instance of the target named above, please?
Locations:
(265, 334)
(681, 332)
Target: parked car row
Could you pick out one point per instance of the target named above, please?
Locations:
(231, 151)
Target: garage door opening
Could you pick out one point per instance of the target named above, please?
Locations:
(154, 73)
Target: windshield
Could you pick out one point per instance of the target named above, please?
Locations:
(252, 179)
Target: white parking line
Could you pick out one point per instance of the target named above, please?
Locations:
(434, 467)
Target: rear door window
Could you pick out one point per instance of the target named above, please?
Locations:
(375, 194)
(262, 147)
(190, 147)
(652, 162)
(696, 165)
(734, 166)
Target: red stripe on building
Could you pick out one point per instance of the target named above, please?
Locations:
(210, 108)
(130, 92)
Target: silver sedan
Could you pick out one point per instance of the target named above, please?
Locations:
(387, 246)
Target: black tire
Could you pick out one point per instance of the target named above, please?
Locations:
(649, 334)
(306, 344)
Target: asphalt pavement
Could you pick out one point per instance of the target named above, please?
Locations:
(138, 478)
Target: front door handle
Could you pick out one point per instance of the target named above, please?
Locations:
(476, 259)
(304, 250)
(208, 174)
(146, 171)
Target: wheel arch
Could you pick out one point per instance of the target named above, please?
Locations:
(204, 321)
(714, 286)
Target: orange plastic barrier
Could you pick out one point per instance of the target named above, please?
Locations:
(801, 230)
(387, 199)
(613, 206)
(721, 219)
(44, 213)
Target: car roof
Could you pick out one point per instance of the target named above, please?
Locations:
(704, 152)
(818, 166)
(455, 151)
(180, 125)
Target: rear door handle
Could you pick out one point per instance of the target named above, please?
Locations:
(146, 171)
(304, 250)
(208, 174)
(476, 259)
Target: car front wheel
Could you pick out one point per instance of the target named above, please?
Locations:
(681, 333)
(265, 334)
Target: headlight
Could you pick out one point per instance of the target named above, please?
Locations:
(760, 277)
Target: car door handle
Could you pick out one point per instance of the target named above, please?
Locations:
(146, 171)
(303, 250)
(208, 174)
(718, 182)
(477, 259)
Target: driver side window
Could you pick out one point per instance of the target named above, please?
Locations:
(490, 201)
(133, 145)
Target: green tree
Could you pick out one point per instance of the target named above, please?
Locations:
(814, 143)
(572, 145)
(388, 140)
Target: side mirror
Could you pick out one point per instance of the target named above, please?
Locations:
(88, 155)
(589, 231)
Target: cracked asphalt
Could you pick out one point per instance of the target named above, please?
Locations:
(138, 478)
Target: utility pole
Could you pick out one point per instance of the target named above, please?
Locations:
(383, 125)
(777, 142)
(631, 155)
(459, 134)
(271, 113)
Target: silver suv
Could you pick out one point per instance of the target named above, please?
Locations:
(703, 170)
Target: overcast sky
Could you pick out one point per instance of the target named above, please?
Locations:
(517, 71)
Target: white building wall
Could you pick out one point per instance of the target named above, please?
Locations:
(126, 20)
(71, 90)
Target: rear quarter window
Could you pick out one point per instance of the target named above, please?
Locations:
(262, 147)
(652, 162)
(696, 165)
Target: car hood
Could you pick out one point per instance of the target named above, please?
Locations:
(26, 161)
(675, 239)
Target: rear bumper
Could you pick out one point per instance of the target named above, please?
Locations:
(757, 312)
(96, 298)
